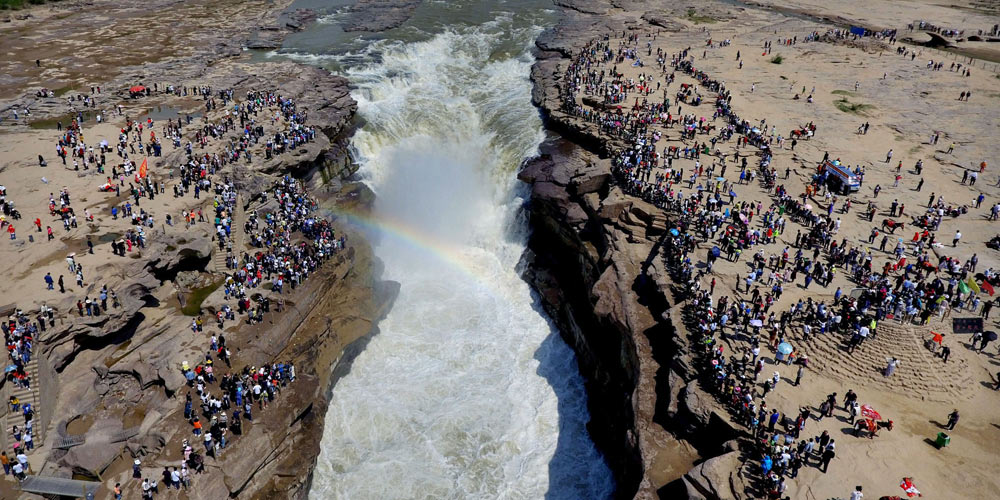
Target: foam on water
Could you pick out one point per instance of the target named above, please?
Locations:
(468, 391)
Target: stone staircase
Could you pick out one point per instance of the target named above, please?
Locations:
(237, 235)
(919, 374)
(26, 396)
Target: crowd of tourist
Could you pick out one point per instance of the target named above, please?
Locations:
(910, 286)
(282, 243)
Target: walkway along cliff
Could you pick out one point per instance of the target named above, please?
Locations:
(594, 258)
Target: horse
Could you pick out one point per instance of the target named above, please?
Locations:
(872, 426)
(892, 225)
(803, 133)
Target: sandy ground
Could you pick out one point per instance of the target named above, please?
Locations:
(907, 105)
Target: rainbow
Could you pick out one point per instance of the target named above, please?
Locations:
(447, 253)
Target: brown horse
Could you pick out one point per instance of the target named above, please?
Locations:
(867, 424)
(891, 225)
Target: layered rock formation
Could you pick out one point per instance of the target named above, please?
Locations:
(120, 371)
(594, 259)
(112, 388)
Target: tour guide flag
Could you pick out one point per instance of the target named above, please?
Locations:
(988, 287)
(142, 168)
(962, 287)
(973, 285)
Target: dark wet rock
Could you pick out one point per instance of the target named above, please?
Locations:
(263, 42)
(598, 7)
(662, 20)
(378, 15)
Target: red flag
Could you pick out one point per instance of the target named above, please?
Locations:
(868, 412)
(988, 287)
(142, 168)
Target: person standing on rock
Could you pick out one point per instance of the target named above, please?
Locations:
(891, 367)
(773, 420)
(856, 494)
(828, 455)
(849, 399)
(952, 419)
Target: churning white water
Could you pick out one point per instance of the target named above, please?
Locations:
(467, 391)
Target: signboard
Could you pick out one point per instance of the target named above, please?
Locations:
(967, 325)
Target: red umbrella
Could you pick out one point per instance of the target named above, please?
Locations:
(137, 88)
(868, 412)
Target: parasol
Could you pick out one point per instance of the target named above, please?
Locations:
(991, 336)
(808, 206)
(715, 251)
(756, 323)
(868, 412)
(720, 179)
(785, 348)
(674, 232)
(137, 88)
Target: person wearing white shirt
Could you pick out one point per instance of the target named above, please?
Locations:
(856, 494)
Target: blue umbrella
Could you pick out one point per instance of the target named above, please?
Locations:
(785, 348)
(189, 375)
(715, 251)
(674, 232)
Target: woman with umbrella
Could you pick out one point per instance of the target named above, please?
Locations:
(784, 349)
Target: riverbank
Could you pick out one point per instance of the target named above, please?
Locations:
(108, 386)
(631, 313)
